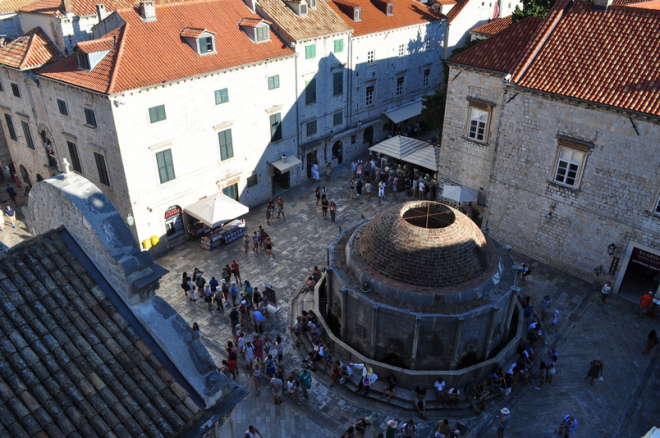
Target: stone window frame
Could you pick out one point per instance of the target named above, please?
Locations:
(371, 56)
(400, 85)
(655, 203)
(482, 106)
(402, 49)
(102, 177)
(566, 143)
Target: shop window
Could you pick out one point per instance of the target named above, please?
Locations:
(75, 159)
(27, 133)
(173, 222)
(226, 146)
(61, 106)
(157, 114)
(221, 96)
(275, 127)
(102, 169)
(165, 166)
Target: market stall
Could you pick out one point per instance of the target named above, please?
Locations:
(218, 215)
(409, 156)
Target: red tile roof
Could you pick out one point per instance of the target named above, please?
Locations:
(453, 13)
(374, 19)
(252, 22)
(149, 53)
(86, 7)
(608, 57)
(99, 45)
(320, 21)
(446, 2)
(655, 4)
(192, 32)
(494, 26)
(8, 6)
(32, 50)
(500, 51)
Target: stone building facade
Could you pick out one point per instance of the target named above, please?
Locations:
(567, 170)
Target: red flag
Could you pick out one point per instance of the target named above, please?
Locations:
(496, 11)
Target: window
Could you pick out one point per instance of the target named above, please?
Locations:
(157, 114)
(402, 49)
(310, 92)
(15, 90)
(273, 82)
(253, 180)
(357, 14)
(61, 105)
(570, 163)
(73, 153)
(275, 127)
(390, 9)
(206, 45)
(337, 83)
(311, 128)
(90, 118)
(312, 4)
(10, 127)
(231, 191)
(226, 146)
(339, 46)
(370, 96)
(427, 45)
(371, 55)
(303, 9)
(427, 74)
(83, 61)
(221, 96)
(310, 51)
(262, 33)
(28, 135)
(165, 166)
(399, 86)
(338, 118)
(657, 207)
(101, 167)
(478, 122)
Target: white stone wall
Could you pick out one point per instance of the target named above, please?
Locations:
(65, 32)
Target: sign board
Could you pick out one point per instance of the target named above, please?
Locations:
(271, 294)
(646, 259)
(613, 266)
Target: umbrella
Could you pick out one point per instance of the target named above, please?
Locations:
(460, 194)
(216, 210)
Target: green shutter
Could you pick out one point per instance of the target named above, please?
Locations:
(273, 82)
(165, 166)
(61, 105)
(28, 135)
(10, 127)
(311, 128)
(275, 127)
(157, 113)
(221, 96)
(310, 92)
(226, 147)
(310, 51)
(339, 46)
(337, 83)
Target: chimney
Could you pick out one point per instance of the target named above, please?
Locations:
(101, 12)
(148, 10)
(602, 5)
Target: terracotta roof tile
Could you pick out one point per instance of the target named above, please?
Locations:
(99, 45)
(375, 19)
(153, 52)
(30, 51)
(500, 51)
(86, 7)
(446, 2)
(320, 21)
(453, 12)
(494, 26)
(8, 6)
(608, 57)
(52, 381)
(192, 32)
(655, 4)
(252, 22)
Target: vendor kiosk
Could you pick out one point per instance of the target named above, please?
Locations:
(216, 219)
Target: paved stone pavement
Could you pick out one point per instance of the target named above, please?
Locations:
(585, 331)
(12, 236)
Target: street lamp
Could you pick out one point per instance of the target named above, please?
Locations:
(611, 248)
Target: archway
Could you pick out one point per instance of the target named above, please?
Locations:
(368, 136)
(337, 151)
(25, 175)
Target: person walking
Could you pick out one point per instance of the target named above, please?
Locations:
(305, 381)
(315, 172)
(595, 371)
(256, 378)
(246, 242)
(249, 433)
(504, 418)
(408, 429)
(328, 171)
(317, 193)
(255, 242)
(235, 269)
(280, 208)
(352, 186)
(324, 207)
(268, 212)
(569, 425)
(11, 214)
(269, 249)
(546, 303)
(367, 188)
(645, 302)
(276, 386)
(605, 292)
(358, 187)
(333, 211)
(381, 190)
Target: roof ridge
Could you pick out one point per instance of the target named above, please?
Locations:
(542, 34)
(122, 31)
(31, 34)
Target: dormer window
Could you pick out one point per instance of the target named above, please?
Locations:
(200, 40)
(351, 9)
(257, 29)
(303, 9)
(390, 9)
(312, 4)
(91, 53)
(357, 14)
(300, 6)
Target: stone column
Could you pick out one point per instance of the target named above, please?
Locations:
(374, 325)
(344, 311)
(457, 342)
(515, 290)
(491, 330)
(413, 362)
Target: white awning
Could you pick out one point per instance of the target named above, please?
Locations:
(410, 150)
(290, 162)
(426, 157)
(216, 210)
(405, 112)
(460, 194)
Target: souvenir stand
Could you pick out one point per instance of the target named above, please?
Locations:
(219, 218)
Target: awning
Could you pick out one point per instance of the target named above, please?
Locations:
(460, 194)
(216, 210)
(410, 150)
(405, 112)
(290, 162)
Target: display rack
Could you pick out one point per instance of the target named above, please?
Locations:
(225, 234)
